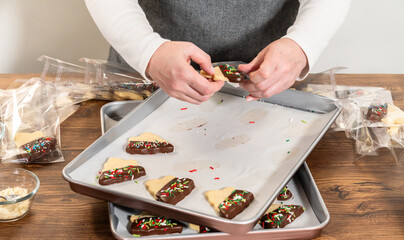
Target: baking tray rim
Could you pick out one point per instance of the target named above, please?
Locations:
(242, 226)
(320, 226)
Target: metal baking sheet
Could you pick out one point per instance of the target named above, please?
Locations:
(308, 226)
(282, 131)
(302, 185)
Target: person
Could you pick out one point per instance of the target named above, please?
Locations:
(279, 40)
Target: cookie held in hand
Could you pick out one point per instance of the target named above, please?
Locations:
(225, 72)
(148, 143)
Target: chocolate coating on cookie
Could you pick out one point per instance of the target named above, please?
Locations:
(119, 175)
(281, 216)
(235, 203)
(376, 113)
(147, 147)
(37, 149)
(231, 73)
(155, 226)
(203, 229)
(285, 194)
(175, 190)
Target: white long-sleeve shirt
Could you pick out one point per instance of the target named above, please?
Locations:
(125, 26)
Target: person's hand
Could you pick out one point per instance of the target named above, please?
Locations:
(274, 69)
(170, 68)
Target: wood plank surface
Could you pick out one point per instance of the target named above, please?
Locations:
(365, 196)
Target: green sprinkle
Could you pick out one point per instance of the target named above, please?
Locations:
(304, 121)
(135, 235)
(288, 152)
(287, 140)
(136, 181)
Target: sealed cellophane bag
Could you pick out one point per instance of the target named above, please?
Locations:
(117, 82)
(97, 79)
(368, 114)
(30, 116)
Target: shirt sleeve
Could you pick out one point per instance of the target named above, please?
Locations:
(125, 26)
(316, 22)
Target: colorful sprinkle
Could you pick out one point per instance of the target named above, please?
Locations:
(184, 108)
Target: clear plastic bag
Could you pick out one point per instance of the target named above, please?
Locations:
(117, 81)
(99, 79)
(368, 114)
(30, 118)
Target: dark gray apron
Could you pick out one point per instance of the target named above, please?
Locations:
(228, 30)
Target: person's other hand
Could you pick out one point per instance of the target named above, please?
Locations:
(274, 69)
(170, 68)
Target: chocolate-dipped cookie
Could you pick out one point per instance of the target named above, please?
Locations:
(281, 217)
(201, 229)
(229, 202)
(152, 225)
(170, 189)
(116, 170)
(119, 175)
(285, 194)
(175, 190)
(37, 148)
(231, 73)
(148, 143)
(224, 72)
(376, 113)
(235, 203)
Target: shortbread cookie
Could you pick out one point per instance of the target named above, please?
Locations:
(281, 216)
(145, 225)
(285, 194)
(201, 229)
(22, 138)
(394, 119)
(37, 149)
(148, 143)
(129, 95)
(117, 170)
(170, 189)
(229, 202)
(225, 72)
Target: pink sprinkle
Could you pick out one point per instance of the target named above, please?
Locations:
(211, 167)
(216, 178)
(252, 122)
(184, 108)
(193, 170)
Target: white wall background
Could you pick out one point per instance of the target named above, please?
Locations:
(58, 28)
(371, 40)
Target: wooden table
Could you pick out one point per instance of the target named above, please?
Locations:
(365, 196)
